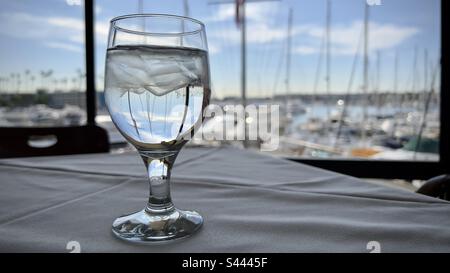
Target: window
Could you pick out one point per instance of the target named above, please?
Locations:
(42, 74)
(356, 81)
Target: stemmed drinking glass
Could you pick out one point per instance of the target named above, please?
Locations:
(156, 88)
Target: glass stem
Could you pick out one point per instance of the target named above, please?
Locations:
(159, 166)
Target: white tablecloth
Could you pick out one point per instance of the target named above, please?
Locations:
(250, 202)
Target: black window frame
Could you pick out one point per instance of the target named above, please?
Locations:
(385, 169)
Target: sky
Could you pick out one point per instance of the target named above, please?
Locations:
(48, 34)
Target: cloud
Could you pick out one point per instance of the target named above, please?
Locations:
(224, 13)
(345, 38)
(254, 12)
(306, 50)
(66, 22)
(256, 33)
(259, 29)
(64, 46)
(22, 25)
(213, 48)
(67, 33)
(98, 9)
(102, 31)
(60, 32)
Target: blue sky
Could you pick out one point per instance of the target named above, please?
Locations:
(48, 34)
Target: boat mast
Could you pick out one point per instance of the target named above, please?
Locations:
(288, 56)
(377, 95)
(414, 82)
(366, 69)
(317, 75)
(328, 59)
(395, 92)
(140, 6)
(140, 10)
(396, 72)
(243, 52)
(186, 8)
(185, 14)
(425, 71)
(240, 9)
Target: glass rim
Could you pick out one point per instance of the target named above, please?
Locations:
(156, 15)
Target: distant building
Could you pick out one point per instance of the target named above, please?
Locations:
(59, 99)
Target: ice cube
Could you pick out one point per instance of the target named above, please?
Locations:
(157, 73)
(127, 72)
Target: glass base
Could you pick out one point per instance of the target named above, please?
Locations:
(147, 226)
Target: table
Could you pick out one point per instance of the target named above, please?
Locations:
(251, 203)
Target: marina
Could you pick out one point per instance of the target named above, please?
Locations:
(375, 114)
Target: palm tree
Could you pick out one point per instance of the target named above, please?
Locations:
(49, 74)
(64, 84)
(27, 80)
(74, 83)
(6, 84)
(12, 77)
(32, 79)
(55, 84)
(18, 82)
(45, 75)
(42, 73)
(80, 78)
